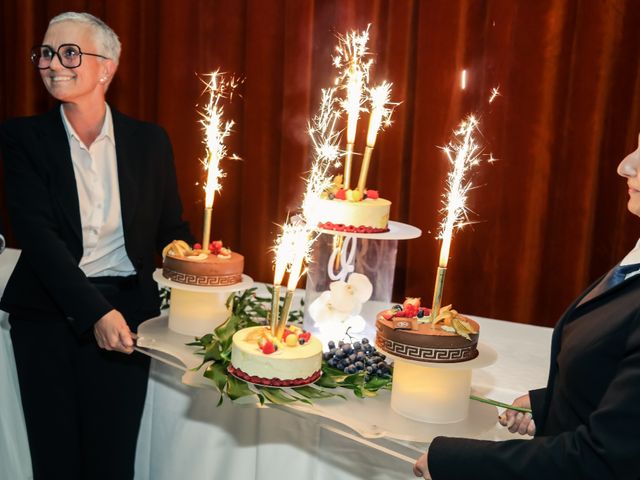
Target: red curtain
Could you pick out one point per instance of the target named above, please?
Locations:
(550, 213)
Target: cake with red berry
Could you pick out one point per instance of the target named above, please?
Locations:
(351, 210)
(216, 266)
(293, 360)
(407, 331)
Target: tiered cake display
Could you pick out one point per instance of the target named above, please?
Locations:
(202, 277)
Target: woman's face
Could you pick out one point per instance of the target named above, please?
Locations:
(630, 169)
(84, 83)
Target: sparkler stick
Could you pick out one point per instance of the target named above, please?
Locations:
(380, 114)
(351, 50)
(216, 130)
(462, 154)
(352, 106)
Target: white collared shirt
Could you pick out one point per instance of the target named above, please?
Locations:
(632, 257)
(96, 173)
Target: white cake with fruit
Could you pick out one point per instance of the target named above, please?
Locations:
(294, 359)
(353, 211)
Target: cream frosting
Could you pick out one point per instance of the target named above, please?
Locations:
(288, 363)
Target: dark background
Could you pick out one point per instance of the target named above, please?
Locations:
(551, 212)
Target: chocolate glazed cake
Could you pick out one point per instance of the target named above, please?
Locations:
(428, 343)
(211, 271)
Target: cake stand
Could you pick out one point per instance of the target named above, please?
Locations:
(196, 310)
(368, 421)
(371, 254)
(435, 392)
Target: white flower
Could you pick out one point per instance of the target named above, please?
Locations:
(322, 310)
(349, 296)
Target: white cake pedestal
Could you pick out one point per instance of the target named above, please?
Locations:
(435, 392)
(196, 310)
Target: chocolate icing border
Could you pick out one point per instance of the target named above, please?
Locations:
(201, 280)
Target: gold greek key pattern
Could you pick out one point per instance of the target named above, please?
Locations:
(199, 280)
(427, 354)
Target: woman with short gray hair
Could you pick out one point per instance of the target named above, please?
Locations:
(92, 198)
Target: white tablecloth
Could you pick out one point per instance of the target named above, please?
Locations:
(184, 434)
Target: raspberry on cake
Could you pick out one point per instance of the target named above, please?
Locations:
(406, 332)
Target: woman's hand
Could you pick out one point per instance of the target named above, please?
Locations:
(112, 333)
(518, 421)
(421, 467)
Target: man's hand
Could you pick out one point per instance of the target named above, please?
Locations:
(421, 468)
(112, 333)
(517, 421)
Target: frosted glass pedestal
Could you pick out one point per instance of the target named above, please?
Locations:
(435, 392)
(192, 313)
(196, 311)
(429, 394)
(339, 254)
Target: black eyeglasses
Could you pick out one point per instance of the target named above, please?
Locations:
(69, 54)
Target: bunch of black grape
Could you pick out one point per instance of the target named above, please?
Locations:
(357, 357)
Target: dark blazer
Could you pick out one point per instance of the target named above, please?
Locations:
(588, 416)
(42, 200)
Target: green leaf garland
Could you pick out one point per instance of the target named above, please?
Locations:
(249, 310)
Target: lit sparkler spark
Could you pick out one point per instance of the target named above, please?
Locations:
(293, 248)
(380, 98)
(495, 92)
(283, 251)
(354, 75)
(463, 154)
(216, 130)
(326, 155)
(463, 79)
(302, 242)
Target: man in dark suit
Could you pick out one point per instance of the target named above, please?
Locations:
(92, 197)
(2, 240)
(587, 417)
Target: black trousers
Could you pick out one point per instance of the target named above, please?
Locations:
(82, 404)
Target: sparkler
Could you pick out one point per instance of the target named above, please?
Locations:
(216, 130)
(326, 155)
(380, 114)
(351, 50)
(293, 246)
(463, 155)
(495, 92)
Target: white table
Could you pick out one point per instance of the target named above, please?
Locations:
(184, 434)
